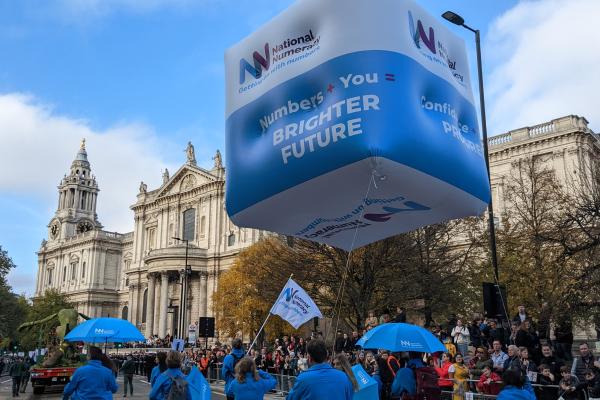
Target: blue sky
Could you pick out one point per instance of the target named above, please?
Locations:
(140, 78)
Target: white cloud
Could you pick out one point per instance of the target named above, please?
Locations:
(38, 147)
(544, 63)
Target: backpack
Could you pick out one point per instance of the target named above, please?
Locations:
(178, 390)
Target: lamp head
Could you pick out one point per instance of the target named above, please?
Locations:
(453, 17)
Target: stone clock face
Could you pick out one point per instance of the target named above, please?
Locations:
(84, 226)
(54, 228)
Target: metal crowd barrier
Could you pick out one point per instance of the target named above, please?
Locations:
(283, 386)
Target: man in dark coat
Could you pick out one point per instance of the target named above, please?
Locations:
(128, 369)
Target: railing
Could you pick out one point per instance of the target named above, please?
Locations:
(541, 129)
(546, 128)
(500, 139)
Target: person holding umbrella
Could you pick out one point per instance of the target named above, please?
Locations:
(92, 381)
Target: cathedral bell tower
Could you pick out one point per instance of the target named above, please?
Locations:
(77, 196)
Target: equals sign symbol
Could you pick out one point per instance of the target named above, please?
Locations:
(390, 77)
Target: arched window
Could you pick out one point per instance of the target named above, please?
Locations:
(189, 224)
(144, 306)
(231, 239)
(83, 270)
(50, 276)
(125, 312)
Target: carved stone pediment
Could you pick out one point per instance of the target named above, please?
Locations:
(185, 179)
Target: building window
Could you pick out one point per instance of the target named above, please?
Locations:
(73, 271)
(50, 276)
(124, 312)
(83, 270)
(144, 306)
(231, 240)
(151, 238)
(127, 264)
(202, 226)
(64, 273)
(126, 282)
(189, 224)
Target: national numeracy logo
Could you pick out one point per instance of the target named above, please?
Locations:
(289, 294)
(260, 62)
(419, 35)
(439, 52)
(289, 50)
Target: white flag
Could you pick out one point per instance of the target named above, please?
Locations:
(295, 305)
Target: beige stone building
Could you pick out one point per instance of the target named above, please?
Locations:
(137, 275)
(566, 145)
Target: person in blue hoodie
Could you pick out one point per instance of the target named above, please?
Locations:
(229, 362)
(404, 382)
(161, 360)
(250, 384)
(321, 381)
(515, 387)
(92, 381)
(162, 385)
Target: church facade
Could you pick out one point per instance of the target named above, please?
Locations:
(138, 275)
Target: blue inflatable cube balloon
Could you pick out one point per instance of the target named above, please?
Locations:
(368, 387)
(346, 117)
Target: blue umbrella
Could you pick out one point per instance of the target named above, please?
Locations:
(105, 330)
(401, 337)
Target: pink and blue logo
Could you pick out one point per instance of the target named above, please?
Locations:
(260, 62)
(389, 211)
(419, 36)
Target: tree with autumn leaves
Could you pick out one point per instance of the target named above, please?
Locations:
(548, 244)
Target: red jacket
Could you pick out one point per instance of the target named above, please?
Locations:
(489, 388)
(444, 381)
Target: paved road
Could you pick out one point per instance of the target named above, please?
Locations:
(141, 388)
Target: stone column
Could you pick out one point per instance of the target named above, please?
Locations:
(203, 294)
(164, 303)
(130, 304)
(150, 307)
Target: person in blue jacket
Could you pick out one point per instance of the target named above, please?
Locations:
(162, 385)
(515, 387)
(250, 384)
(161, 359)
(321, 381)
(92, 381)
(229, 362)
(404, 382)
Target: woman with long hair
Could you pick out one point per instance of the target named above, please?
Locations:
(250, 383)
(460, 374)
(172, 376)
(161, 361)
(444, 382)
(341, 362)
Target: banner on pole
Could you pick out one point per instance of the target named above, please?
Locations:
(331, 97)
(295, 305)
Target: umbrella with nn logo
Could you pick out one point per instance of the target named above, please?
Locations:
(105, 330)
(401, 337)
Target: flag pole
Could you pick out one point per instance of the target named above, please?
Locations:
(264, 323)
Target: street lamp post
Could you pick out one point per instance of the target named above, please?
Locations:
(184, 289)
(458, 20)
